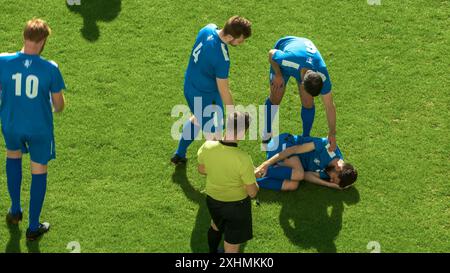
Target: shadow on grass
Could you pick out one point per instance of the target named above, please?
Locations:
(199, 239)
(15, 234)
(311, 217)
(93, 11)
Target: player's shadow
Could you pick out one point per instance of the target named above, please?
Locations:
(94, 11)
(15, 234)
(311, 217)
(199, 243)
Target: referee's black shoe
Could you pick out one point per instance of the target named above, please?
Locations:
(178, 160)
(14, 219)
(34, 235)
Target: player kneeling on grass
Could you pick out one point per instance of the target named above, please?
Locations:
(299, 158)
(29, 82)
(230, 183)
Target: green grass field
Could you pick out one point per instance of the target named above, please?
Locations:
(112, 188)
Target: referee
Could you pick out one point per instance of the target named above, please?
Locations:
(230, 183)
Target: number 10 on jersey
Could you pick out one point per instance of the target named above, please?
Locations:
(31, 85)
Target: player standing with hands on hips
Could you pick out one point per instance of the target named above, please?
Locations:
(28, 82)
(206, 78)
(299, 58)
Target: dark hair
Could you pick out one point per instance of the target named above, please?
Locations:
(348, 175)
(237, 26)
(238, 121)
(313, 83)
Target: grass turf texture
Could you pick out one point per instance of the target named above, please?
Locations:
(112, 188)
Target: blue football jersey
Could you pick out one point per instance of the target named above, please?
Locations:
(26, 84)
(295, 53)
(320, 158)
(209, 60)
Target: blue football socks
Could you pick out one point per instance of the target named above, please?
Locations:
(37, 196)
(190, 132)
(14, 180)
(308, 119)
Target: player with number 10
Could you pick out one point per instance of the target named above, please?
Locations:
(30, 86)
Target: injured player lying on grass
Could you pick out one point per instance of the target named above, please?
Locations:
(291, 159)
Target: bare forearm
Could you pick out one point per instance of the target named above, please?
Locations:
(331, 118)
(312, 177)
(274, 64)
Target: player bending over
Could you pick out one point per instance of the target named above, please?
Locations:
(299, 58)
(304, 158)
(206, 78)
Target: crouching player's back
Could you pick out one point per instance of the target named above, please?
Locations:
(30, 87)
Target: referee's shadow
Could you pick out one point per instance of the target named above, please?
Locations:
(311, 217)
(94, 11)
(199, 243)
(199, 238)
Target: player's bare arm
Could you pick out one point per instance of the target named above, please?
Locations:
(297, 149)
(330, 110)
(225, 92)
(277, 83)
(314, 178)
(58, 101)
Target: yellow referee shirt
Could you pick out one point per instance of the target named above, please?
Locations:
(228, 170)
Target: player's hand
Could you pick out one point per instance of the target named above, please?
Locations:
(332, 141)
(261, 171)
(277, 83)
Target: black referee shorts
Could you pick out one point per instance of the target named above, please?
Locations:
(234, 219)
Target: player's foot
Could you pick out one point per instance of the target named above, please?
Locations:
(14, 219)
(266, 141)
(178, 160)
(34, 235)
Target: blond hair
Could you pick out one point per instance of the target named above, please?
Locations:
(36, 30)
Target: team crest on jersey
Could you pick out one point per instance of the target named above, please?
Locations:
(210, 37)
(27, 63)
(317, 161)
(309, 60)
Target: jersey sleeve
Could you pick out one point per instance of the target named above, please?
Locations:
(326, 81)
(222, 64)
(248, 171)
(288, 62)
(57, 80)
(323, 175)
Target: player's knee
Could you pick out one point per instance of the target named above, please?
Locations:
(297, 175)
(275, 97)
(290, 185)
(308, 104)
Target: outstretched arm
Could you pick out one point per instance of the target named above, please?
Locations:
(278, 81)
(314, 178)
(330, 109)
(225, 93)
(297, 149)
